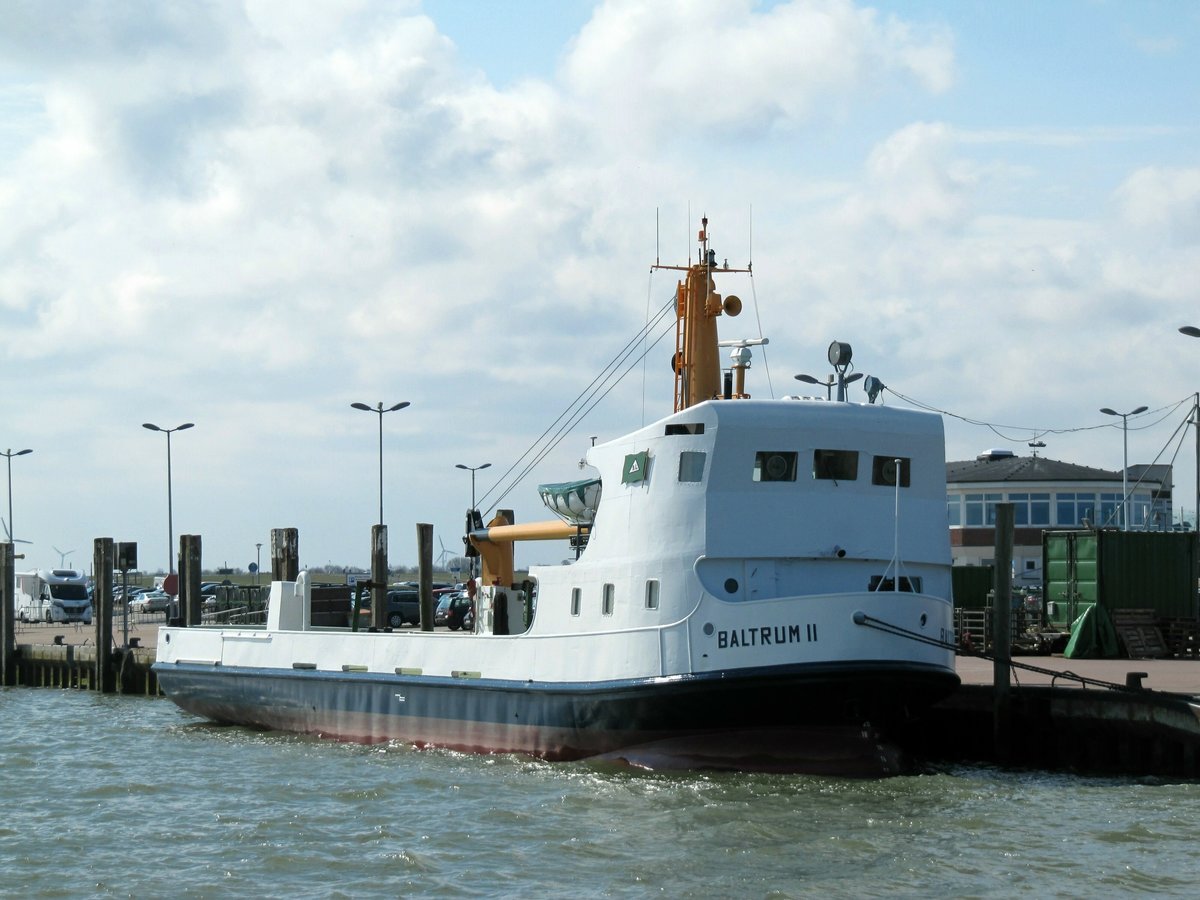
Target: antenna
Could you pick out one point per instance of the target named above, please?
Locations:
(895, 565)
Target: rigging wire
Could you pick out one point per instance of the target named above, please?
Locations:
(758, 322)
(1038, 431)
(571, 413)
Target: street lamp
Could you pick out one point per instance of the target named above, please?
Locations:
(1193, 331)
(1125, 468)
(379, 410)
(170, 512)
(827, 383)
(473, 470)
(10, 453)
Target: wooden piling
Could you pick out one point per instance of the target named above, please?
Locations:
(425, 576)
(285, 554)
(102, 613)
(8, 634)
(379, 575)
(1002, 630)
(189, 579)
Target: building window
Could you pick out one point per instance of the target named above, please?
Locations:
(981, 509)
(954, 510)
(775, 465)
(691, 466)
(835, 465)
(576, 595)
(652, 594)
(1072, 509)
(1039, 509)
(1110, 511)
(974, 509)
(1030, 509)
(609, 599)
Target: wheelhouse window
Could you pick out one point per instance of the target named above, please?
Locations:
(610, 593)
(835, 465)
(576, 597)
(886, 469)
(652, 594)
(685, 428)
(775, 465)
(691, 466)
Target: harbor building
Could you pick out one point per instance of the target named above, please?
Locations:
(1046, 494)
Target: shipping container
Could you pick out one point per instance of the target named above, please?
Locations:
(970, 586)
(1155, 570)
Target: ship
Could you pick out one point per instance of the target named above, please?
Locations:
(756, 585)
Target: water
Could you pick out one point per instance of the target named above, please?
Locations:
(129, 797)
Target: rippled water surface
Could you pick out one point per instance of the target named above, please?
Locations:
(109, 796)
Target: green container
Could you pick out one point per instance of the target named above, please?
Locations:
(970, 586)
(1155, 570)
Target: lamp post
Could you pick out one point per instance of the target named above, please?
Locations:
(9, 454)
(827, 383)
(1193, 331)
(170, 512)
(1125, 467)
(473, 470)
(257, 563)
(379, 410)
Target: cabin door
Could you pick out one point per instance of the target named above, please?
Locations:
(760, 579)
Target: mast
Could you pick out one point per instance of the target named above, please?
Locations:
(697, 360)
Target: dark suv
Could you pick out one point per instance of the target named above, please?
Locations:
(403, 607)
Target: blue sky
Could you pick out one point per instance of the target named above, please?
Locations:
(248, 218)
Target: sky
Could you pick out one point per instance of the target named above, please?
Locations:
(249, 215)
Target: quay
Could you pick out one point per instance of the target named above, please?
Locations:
(1097, 716)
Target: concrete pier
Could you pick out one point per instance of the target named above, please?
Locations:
(1103, 716)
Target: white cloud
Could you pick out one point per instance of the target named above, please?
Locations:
(240, 216)
(650, 71)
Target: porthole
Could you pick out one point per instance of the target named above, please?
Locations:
(731, 585)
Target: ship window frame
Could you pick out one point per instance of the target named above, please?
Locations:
(608, 599)
(652, 593)
(763, 460)
(576, 600)
(690, 469)
(884, 584)
(830, 464)
(675, 428)
(880, 471)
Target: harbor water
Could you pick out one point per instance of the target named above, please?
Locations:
(108, 796)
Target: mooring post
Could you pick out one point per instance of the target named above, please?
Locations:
(103, 559)
(425, 570)
(1002, 631)
(379, 576)
(285, 554)
(8, 634)
(190, 568)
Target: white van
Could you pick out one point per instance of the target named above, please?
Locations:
(53, 595)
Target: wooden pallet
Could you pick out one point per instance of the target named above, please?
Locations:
(1139, 633)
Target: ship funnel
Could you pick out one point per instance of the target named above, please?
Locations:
(732, 305)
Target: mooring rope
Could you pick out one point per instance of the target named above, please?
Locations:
(861, 618)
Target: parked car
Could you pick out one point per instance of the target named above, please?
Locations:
(150, 602)
(402, 607)
(460, 613)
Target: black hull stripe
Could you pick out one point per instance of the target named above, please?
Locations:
(559, 721)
